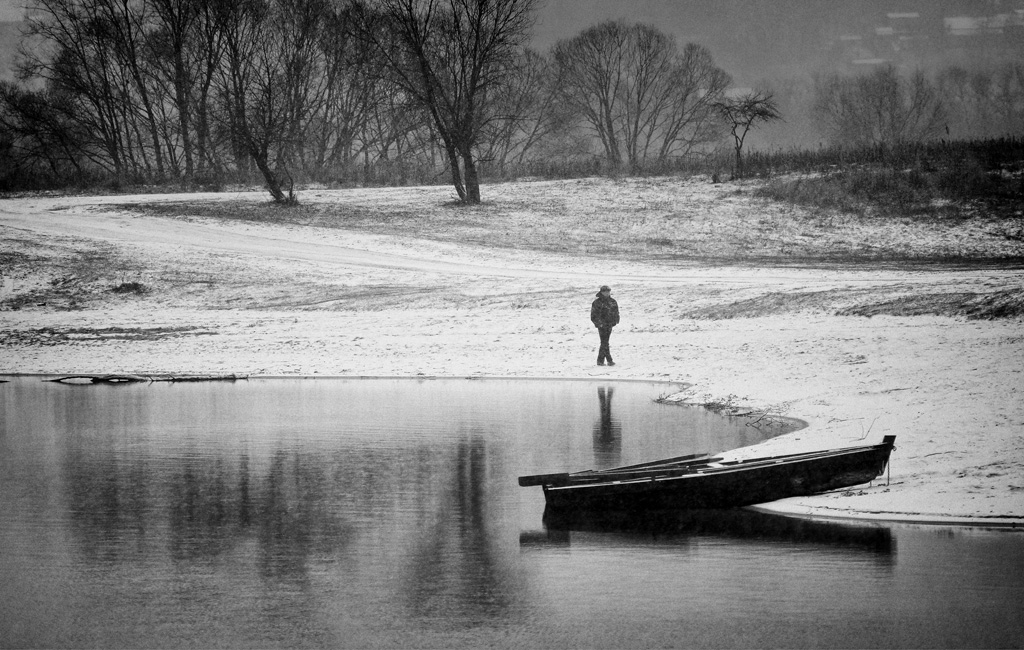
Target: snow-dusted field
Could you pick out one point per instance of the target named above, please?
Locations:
(393, 282)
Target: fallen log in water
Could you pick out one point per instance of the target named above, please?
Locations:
(175, 378)
(128, 379)
(98, 379)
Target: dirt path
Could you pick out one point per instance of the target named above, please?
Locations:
(96, 220)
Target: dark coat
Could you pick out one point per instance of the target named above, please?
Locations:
(604, 312)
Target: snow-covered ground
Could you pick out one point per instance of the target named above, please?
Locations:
(273, 299)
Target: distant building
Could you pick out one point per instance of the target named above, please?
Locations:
(912, 16)
(984, 25)
(868, 63)
(964, 25)
(913, 39)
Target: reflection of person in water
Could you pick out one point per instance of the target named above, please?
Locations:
(607, 433)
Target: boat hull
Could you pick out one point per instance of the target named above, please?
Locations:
(720, 485)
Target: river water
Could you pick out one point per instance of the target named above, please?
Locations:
(386, 513)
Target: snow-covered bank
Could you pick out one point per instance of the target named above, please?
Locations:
(279, 300)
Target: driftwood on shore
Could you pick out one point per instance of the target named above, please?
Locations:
(129, 379)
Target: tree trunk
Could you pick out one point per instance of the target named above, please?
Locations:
(181, 96)
(453, 162)
(472, 179)
(273, 182)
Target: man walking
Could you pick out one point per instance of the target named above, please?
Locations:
(604, 313)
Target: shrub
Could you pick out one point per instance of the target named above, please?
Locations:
(131, 287)
(903, 181)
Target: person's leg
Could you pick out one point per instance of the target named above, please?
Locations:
(603, 353)
(607, 349)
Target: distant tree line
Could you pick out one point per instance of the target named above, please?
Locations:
(891, 105)
(202, 93)
(884, 106)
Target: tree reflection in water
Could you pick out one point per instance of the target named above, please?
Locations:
(202, 506)
(202, 521)
(107, 502)
(296, 521)
(304, 508)
(456, 575)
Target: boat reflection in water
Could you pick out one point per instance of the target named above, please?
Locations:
(734, 525)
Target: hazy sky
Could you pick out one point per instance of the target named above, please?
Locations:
(748, 38)
(10, 10)
(582, 13)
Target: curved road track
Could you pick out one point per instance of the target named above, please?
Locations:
(86, 218)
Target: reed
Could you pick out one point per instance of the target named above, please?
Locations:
(941, 179)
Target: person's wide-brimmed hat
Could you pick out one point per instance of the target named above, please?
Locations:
(605, 287)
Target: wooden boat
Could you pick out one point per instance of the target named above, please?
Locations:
(701, 481)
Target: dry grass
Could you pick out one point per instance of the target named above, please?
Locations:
(47, 336)
(666, 221)
(64, 274)
(642, 219)
(875, 301)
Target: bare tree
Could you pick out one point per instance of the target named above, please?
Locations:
(206, 52)
(127, 22)
(880, 107)
(305, 77)
(1008, 98)
(527, 111)
(175, 32)
(742, 113)
(956, 87)
(690, 119)
(84, 80)
(372, 116)
(43, 145)
(247, 84)
(452, 56)
(271, 80)
(349, 88)
(649, 59)
(591, 67)
(643, 99)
